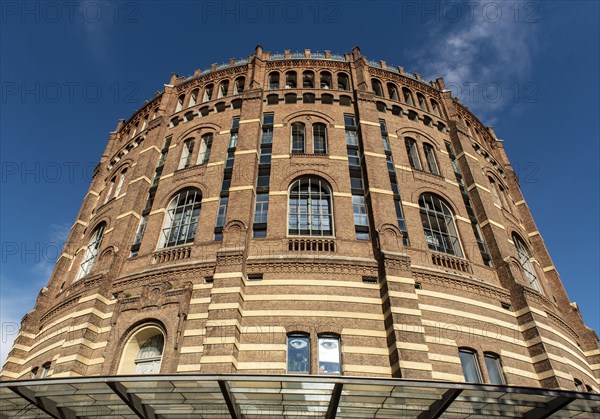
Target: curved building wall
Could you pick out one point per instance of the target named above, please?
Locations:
(353, 202)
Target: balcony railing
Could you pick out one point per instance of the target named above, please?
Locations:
(311, 245)
(170, 255)
(451, 263)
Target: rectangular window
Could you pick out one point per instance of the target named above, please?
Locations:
(265, 155)
(390, 163)
(360, 210)
(222, 213)
(229, 160)
(350, 126)
(233, 137)
(298, 354)
(384, 135)
(235, 123)
(362, 235)
(259, 233)
(470, 366)
(262, 208)
(329, 355)
(353, 158)
(356, 183)
(267, 128)
(226, 183)
(263, 181)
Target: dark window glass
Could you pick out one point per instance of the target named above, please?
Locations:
(298, 354)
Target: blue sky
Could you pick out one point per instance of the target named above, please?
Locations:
(70, 70)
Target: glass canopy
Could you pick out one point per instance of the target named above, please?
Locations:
(289, 396)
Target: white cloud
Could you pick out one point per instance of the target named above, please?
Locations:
(481, 59)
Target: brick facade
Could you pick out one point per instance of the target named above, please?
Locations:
(227, 301)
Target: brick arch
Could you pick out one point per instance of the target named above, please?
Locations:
(428, 189)
(158, 320)
(287, 181)
(96, 223)
(488, 172)
(118, 168)
(417, 134)
(198, 130)
(175, 189)
(295, 116)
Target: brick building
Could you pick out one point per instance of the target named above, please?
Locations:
(306, 214)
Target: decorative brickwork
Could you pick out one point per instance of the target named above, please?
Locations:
(404, 239)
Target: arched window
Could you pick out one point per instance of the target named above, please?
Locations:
(310, 211)
(149, 356)
(393, 91)
(579, 385)
(422, 102)
(45, 370)
(343, 81)
(179, 105)
(298, 353)
(298, 137)
(193, 98)
(308, 80)
(495, 192)
(325, 80)
(186, 154)
(207, 93)
(494, 368)
(110, 190)
(413, 153)
(470, 365)
(145, 123)
(377, 89)
(290, 80)
(326, 99)
(274, 80)
(320, 138)
(438, 225)
(205, 146)
(435, 108)
(431, 160)
(238, 87)
(181, 219)
(526, 265)
(91, 252)
(308, 98)
(329, 354)
(223, 88)
(121, 182)
(143, 352)
(407, 95)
